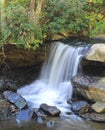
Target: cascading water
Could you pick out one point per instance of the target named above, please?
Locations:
(54, 86)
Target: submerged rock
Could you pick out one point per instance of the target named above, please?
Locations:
(25, 115)
(50, 110)
(99, 107)
(15, 99)
(80, 107)
(94, 116)
(91, 88)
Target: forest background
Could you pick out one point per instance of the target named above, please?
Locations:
(29, 23)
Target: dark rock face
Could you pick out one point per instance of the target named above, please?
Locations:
(15, 99)
(99, 38)
(93, 68)
(6, 84)
(80, 107)
(50, 110)
(91, 88)
(20, 57)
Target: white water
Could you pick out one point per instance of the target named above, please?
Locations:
(54, 86)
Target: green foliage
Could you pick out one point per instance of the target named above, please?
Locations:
(96, 17)
(19, 28)
(75, 17)
(65, 16)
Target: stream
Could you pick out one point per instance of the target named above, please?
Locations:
(54, 90)
(61, 123)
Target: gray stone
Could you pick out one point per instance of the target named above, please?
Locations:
(50, 110)
(94, 116)
(15, 99)
(80, 107)
(25, 115)
(99, 107)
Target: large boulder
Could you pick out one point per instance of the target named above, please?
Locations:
(96, 53)
(91, 88)
(93, 62)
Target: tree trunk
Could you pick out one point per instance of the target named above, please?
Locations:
(35, 8)
(2, 13)
(32, 7)
(38, 10)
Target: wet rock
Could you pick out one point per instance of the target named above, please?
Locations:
(51, 124)
(93, 68)
(79, 107)
(4, 110)
(99, 107)
(94, 116)
(50, 110)
(91, 88)
(15, 99)
(40, 113)
(25, 115)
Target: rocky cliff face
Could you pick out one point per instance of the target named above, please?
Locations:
(20, 57)
(21, 65)
(91, 84)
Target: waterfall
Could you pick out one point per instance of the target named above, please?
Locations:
(54, 86)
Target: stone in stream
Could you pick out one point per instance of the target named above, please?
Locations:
(50, 110)
(94, 116)
(99, 107)
(79, 107)
(25, 115)
(41, 116)
(15, 99)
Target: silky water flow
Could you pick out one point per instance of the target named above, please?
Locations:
(54, 87)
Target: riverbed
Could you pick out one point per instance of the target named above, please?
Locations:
(72, 122)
